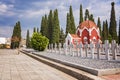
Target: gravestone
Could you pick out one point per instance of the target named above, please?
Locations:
(77, 47)
(51, 47)
(55, 47)
(59, 48)
(107, 50)
(98, 50)
(86, 49)
(114, 46)
(71, 47)
(92, 48)
(65, 48)
(81, 49)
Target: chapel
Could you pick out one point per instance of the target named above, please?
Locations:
(86, 32)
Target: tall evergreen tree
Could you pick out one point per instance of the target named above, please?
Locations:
(34, 29)
(119, 33)
(99, 25)
(62, 37)
(91, 17)
(72, 23)
(27, 39)
(112, 28)
(86, 14)
(104, 34)
(50, 26)
(16, 36)
(37, 30)
(46, 26)
(56, 28)
(42, 30)
(68, 30)
(81, 14)
(107, 31)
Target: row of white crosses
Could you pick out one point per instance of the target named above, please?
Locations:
(81, 50)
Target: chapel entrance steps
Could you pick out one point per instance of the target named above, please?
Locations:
(72, 70)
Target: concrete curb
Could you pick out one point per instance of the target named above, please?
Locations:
(97, 72)
(80, 75)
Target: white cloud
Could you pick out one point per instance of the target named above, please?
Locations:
(33, 13)
(3, 8)
(32, 16)
(6, 9)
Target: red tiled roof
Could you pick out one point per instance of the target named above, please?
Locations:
(74, 36)
(88, 24)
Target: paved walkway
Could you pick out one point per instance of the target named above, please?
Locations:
(22, 67)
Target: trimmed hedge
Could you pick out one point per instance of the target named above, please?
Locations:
(39, 42)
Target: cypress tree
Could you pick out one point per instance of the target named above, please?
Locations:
(62, 37)
(34, 29)
(16, 36)
(86, 14)
(81, 14)
(46, 26)
(68, 30)
(107, 31)
(27, 40)
(112, 28)
(99, 25)
(72, 23)
(50, 25)
(56, 28)
(119, 33)
(91, 17)
(42, 30)
(104, 34)
(37, 30)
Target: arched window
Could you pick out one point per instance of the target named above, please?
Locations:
(94, 39)
(85, 39)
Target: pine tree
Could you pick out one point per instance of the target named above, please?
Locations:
(81, 14)
(72, 23)
(86, 14)
(119, 33)
(68, 30)
(50, 25)
(27, 40)
(112, 28)
(99, 25)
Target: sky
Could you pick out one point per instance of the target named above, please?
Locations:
(30, 12)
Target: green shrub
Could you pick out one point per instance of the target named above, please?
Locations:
(39, 42)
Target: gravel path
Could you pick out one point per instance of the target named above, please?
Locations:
(92, 63)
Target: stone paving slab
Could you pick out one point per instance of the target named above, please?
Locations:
(79, 74)
(22, 67)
